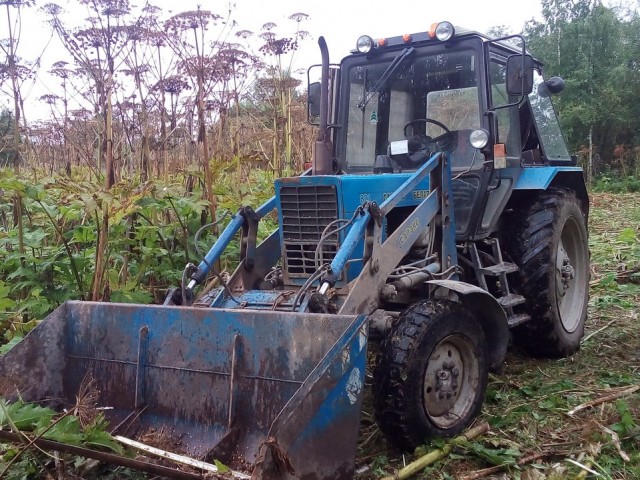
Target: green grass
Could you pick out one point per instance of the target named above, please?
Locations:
(527, 406)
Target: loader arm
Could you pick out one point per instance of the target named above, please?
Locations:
(383, 257)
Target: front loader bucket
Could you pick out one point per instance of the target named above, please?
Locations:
(239, 386)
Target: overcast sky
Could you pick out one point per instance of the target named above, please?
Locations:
(341, 22)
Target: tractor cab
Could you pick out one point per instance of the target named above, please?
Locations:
(397, 101)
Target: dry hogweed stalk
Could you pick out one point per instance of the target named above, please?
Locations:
(86, 400)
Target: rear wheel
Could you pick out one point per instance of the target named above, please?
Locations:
(551, 248)
(431, 374)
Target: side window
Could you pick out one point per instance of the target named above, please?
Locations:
(508, 122)
(553, 144)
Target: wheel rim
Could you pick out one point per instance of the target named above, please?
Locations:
(571, 275)
(451, 381)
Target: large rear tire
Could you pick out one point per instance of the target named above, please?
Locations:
(431, 374)
(551, 248)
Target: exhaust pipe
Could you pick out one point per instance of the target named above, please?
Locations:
(322, 148)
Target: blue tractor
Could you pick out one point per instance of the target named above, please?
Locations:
(442, 217)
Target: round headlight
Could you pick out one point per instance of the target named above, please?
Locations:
(445, 31)
(479, 138)
(364, 44)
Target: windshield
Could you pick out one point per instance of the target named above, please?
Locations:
(421, 93)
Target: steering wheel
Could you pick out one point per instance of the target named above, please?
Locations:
(424, 143)
(424, 120)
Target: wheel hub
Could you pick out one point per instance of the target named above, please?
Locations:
(565, 271)
(571, 270)
(442, 382)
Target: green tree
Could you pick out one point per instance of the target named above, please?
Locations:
(595, 49)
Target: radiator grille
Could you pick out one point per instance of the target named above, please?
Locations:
(306, 211)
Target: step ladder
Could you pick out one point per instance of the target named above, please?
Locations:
(500, 269)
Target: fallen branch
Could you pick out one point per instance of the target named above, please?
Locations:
(418, 465)
(208, 467)
(584, 340)
(606, 399)
(627, 274)
(491, 470)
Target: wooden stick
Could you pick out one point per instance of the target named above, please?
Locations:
(418, 465)
(177, 458)
(585, 468)
(608, 398)
(491, 470)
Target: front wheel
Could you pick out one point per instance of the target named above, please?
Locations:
(431, 374)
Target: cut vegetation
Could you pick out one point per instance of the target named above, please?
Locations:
(556, 419)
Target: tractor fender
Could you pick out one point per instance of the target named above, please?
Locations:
(541, 178)
(489, 314)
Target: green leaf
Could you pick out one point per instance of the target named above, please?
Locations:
(138, 296)
(12, 184)
(100, 438)
(67, 430)
(497, 456)
(36, 192)
(222, 468)
(10, 344)
(24, 416)
(85, 234)
(628, 236)
(5, 302)
(626, 422)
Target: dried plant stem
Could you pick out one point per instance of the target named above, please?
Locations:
(606, 399)
(584, 340)
(435, 455)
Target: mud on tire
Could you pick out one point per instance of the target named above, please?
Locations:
(550, 246)
(431, 374)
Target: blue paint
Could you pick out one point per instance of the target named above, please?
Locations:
(351, 242)
(292, 372)
(225, 238)
(410, 184)
(539, 178)
(266, 207)
(214, 253)
(449, 250)
(352, 192)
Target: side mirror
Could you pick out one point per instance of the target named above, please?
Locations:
(519, 75)
(553, 86)
(313, 99)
